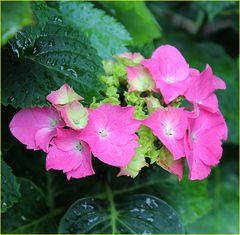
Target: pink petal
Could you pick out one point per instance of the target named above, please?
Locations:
(110, 134)
(169, 69)
(170, 126)
(64, 95)
(43, 137)
(70, 154)
(28, 122)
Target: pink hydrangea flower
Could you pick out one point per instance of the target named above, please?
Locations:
(169, 70)
(70, 154)
(201, 89)
(139, 79)
(75, 115)
(35, 127)
(64, 95)
(111, 134)
(203, 143)
(170, 126)
(136, 58)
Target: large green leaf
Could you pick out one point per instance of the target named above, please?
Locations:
(60, 55)
(107, 36)
(133, 214)
(15, 15)
(191, 201)
(31, 214)
(10, 188)
(200, 54)
(137, 18)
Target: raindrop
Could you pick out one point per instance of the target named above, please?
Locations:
(23, 218)
(31, 187)
(37, 199)
(169, 217)
(77, 213)
(51, 43)
(19, 44)
(150, 219)
(134, 210)
(73, 72)
(151, 203)
(16, 52)
(12, 99)
(57, 19)
(146, 232)
(92, 220)
(4, 204)
(61, 67)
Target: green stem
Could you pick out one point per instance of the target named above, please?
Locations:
(113, 210)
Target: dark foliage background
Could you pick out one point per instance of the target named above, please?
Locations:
(47, 44)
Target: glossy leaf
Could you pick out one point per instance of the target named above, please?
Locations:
(191, 201)
(133, 214)
(15, 15)
(31, 214)
(107, 36)
(137, 18)
(60, 55)
(10, 188)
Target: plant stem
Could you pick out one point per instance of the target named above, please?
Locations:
(113, 210)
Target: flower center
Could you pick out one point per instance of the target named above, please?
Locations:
(193, 136)
(103, 133)
(79, 146)
(53, 123)
(169, 80)
(168, 131)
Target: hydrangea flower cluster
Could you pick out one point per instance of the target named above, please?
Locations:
(141, 117)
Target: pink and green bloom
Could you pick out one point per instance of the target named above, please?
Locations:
(110, 134)
(64, 95)
(128, 57)
(75, 115)
(139, 79)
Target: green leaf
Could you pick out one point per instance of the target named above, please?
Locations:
(137, 18)
(31, 214)
(15, 15)
(26, 37)
(215, 8)
(107, 36)
(133, 214)
(191, 201)
(223, 186)
(10, 188)
(200, 54)
(60, 55)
